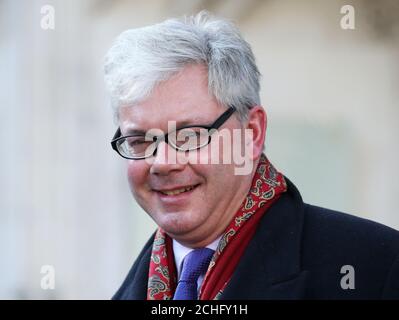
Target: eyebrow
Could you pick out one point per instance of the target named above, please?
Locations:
(135, 132)
(179, 124)
(184, 123)
(192, 122)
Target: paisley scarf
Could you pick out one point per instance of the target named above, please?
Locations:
(267, 186)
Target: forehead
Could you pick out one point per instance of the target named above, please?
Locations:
(184, 98)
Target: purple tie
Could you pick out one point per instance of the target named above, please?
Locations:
(194, 264)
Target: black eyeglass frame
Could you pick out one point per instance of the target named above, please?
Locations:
(157, 139)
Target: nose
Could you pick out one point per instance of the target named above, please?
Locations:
(165, 160)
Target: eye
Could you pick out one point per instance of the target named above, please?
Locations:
(191, 138)
(189, 132)
(136, 141)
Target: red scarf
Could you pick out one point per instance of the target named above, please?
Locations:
(267, 186)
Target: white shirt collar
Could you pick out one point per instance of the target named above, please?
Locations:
(181, 251)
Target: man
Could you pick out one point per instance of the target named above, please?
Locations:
(179, 89)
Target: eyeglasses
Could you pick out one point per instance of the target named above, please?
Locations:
(139, 146)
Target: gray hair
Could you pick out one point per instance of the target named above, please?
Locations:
(142, 58)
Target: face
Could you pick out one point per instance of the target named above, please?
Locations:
(213, 193)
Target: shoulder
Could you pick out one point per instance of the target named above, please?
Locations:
(333, 227)
(333, 240)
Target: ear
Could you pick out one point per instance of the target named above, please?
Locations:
(257, 123)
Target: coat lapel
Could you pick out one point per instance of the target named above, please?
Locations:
(270, 266)
(135, 285)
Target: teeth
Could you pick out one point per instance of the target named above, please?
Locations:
(177, 191)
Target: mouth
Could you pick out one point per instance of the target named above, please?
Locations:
(178, 191)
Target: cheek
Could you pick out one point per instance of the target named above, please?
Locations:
(216, 177)
(223, 180)
(136, 174)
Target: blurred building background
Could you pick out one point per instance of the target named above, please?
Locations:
(331, 96)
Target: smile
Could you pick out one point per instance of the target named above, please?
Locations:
(175, 192)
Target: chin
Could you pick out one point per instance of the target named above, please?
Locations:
(175, 224)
